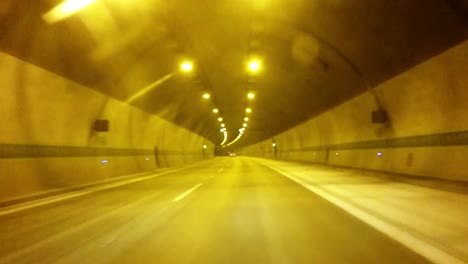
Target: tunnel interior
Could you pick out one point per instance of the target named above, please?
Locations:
(240, 131)
(314, 56)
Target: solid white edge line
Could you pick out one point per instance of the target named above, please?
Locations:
(61, 197)
(419, 246)
(186, 193)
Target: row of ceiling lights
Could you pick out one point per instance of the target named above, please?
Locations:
(69, 7)
(187, 66)
(253, 66)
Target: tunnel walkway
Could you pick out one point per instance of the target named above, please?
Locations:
(241, 210)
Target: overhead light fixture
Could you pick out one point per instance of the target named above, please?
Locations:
(254, 65)
(274, 145)
(248, 110)
(246, 119)
(205, 146)
(215, 110)
(220, 119)
(251, 95)
(244, 125)
(65, 9)
(223, 125)
(186, 66)
(206, 96)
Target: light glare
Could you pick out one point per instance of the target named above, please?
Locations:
(65, 9)
(186, 66)
(206, 96)
(251, 95)
(246, 119)
(215, 110)
(220, 119)
(248, 110)
(254, 65)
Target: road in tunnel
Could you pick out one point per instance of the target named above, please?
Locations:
(226, 210)
(109, 91)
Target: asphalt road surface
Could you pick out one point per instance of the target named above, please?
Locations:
(227, 210)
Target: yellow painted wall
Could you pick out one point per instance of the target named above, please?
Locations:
(40, 108)
(430, 98)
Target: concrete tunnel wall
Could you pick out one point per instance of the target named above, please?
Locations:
(428, 136)
(47, 141)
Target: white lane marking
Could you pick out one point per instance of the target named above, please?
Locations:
(28, 205)
(184, 194)
(221, 170)
(416, 244)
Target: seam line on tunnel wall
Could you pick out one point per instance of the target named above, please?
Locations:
(459, 138)
(11, 151)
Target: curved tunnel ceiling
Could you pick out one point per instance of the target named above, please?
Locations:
(315, 54)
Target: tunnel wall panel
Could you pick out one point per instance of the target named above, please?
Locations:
(47, 140)
(427, 135)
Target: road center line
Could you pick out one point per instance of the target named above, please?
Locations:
(186, 193)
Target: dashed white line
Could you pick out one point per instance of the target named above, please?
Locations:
(67, 196)
(184, 194)
(221, 170)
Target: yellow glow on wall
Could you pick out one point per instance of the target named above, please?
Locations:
(65, 9)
